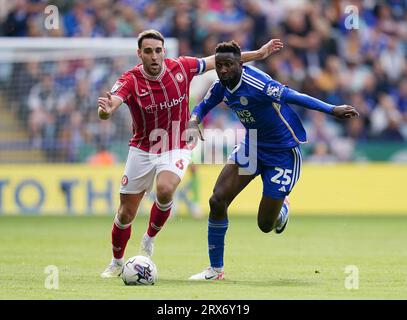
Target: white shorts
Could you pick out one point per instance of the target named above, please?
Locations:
(142, 167)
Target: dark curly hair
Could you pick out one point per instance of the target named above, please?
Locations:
(230, 46)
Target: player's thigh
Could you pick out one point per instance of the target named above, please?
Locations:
(167, 182)
(230, 182)
(279, 180)
(246, 157)
(171, 168)
(139, 172)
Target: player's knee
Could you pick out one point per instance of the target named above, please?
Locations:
(164, 192)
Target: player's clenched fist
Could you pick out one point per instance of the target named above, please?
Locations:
(105, 106)
(345, 112)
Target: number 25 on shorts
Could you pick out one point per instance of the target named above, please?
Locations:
(283, 176)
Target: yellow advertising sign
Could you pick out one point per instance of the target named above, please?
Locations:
(81, 189)
(328, 189)
(57, 189)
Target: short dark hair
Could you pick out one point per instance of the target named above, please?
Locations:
(149, 34)
(230, 46)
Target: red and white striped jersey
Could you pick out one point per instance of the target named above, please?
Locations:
(159, 105)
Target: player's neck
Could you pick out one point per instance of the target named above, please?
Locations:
(234, 82)
(153, 76)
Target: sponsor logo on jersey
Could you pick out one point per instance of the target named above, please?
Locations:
(179, 77)
(173, 103)
(151, 108)
(245, 116)
(125, 180)
(243, 101)
(118, 85)
(275, 91)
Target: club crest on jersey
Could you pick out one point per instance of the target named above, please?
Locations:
(118, 85)
(125, 180)
(275, 91)
(243, 101)
(179, 77)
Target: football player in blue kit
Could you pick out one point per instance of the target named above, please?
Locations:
(270, 148)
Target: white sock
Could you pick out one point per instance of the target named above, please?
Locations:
(218, 270)
(118, 262)
(146, 236)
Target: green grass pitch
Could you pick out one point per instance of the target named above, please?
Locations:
(307, 261)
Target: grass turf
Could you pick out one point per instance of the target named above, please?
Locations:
(307, 261)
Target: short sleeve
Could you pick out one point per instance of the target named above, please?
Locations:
(122, 87)
(193, 66)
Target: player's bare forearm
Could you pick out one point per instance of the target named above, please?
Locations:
(273, 46)
(210, 63)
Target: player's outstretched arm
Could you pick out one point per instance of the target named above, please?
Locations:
(306, 101)
(106, 106)
(273, 46)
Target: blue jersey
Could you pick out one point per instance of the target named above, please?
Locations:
(259, 102)
(262, 103)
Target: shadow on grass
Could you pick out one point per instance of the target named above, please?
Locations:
(251, 283)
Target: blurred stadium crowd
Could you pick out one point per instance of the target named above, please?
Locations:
(365, 67)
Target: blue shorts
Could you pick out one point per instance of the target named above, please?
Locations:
(279, 169)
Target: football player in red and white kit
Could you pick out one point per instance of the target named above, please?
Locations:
(157, 93)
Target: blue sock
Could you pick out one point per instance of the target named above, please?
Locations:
(216, 241)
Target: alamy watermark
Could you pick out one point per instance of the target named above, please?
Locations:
(52, 278)
(51, 21)
(219, 146)
(352, 18)
(352, 277)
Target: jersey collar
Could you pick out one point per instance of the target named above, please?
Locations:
(158, 77)
(238, 84)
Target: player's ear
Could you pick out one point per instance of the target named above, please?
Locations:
(139, 53)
